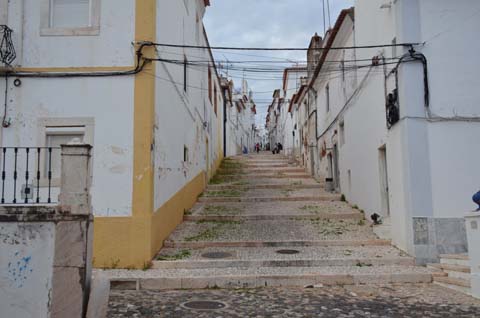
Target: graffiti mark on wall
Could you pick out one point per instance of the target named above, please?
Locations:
(19, 270)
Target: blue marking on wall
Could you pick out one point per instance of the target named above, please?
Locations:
(19, 270)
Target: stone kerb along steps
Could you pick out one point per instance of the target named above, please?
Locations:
(252, 228)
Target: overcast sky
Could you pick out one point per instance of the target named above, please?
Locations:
(265, 23)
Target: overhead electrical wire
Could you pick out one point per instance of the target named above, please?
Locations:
(284, 48)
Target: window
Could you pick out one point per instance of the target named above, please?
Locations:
(55, 137)
(70, 17)
(53, 132)
(342, 133)
(327, 97)
(185, 74)
(185, 153)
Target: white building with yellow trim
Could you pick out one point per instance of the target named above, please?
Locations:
(156, 125)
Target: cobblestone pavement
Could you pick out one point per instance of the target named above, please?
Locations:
(405, 300)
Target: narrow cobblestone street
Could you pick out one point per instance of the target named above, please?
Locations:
(263, 232)
(399, 301)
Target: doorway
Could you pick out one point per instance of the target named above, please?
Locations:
(312, 162)
(336, 169)
(207, 158)
(384, 189)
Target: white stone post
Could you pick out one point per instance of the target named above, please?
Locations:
(72, 266)
(473, 236)
(75, 178)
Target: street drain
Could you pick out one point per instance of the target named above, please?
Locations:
(216, 255)
(204, 305)
(288, 252)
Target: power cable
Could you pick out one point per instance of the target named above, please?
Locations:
(284, 48)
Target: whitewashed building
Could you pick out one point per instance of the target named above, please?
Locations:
(396, 127)
(240, 126)
(293, 78)
(89, 70)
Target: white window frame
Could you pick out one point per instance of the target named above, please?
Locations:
(71, 125)
(46, 28)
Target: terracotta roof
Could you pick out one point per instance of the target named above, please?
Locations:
(292, 101)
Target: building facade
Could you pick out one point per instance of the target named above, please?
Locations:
(90, 71)
(241, 131)
(393, 125)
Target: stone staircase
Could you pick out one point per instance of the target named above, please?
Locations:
(263, 222)
(453, 272)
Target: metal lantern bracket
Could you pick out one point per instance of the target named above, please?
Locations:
(7, 50)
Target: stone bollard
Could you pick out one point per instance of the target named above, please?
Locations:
(473, 236)
(72, 264)
(76, 178)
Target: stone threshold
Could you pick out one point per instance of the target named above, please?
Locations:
(239, 281)
(266, 176)
(281, 217)
(264, 186)
(322, 197)
(184, 244)
(205, 264)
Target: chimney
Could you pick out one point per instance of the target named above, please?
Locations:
(313, 54)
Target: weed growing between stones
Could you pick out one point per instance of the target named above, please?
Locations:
(113, 264)
(225, 193)
(217, 180)
(311, 208)
(147, 265)
(213, 232)
(220, 209)
(329, 227)
(362, 264)
(183, 254)
(287, 192)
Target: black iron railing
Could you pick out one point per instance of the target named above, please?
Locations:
(30, 174)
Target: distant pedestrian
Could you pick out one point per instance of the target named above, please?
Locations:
(257, 147)
(476, 199)
(279, 147)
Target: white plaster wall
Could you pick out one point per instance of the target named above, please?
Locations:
(109, 102)
(112, 47)
(180, 115)
(100, 99)
(454, 167)
(26, 262)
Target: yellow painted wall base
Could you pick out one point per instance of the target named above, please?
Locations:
(170, 215)
(132, 242)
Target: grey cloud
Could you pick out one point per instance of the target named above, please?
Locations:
(266, 23)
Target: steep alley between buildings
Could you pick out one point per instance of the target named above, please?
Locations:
(264, 222)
